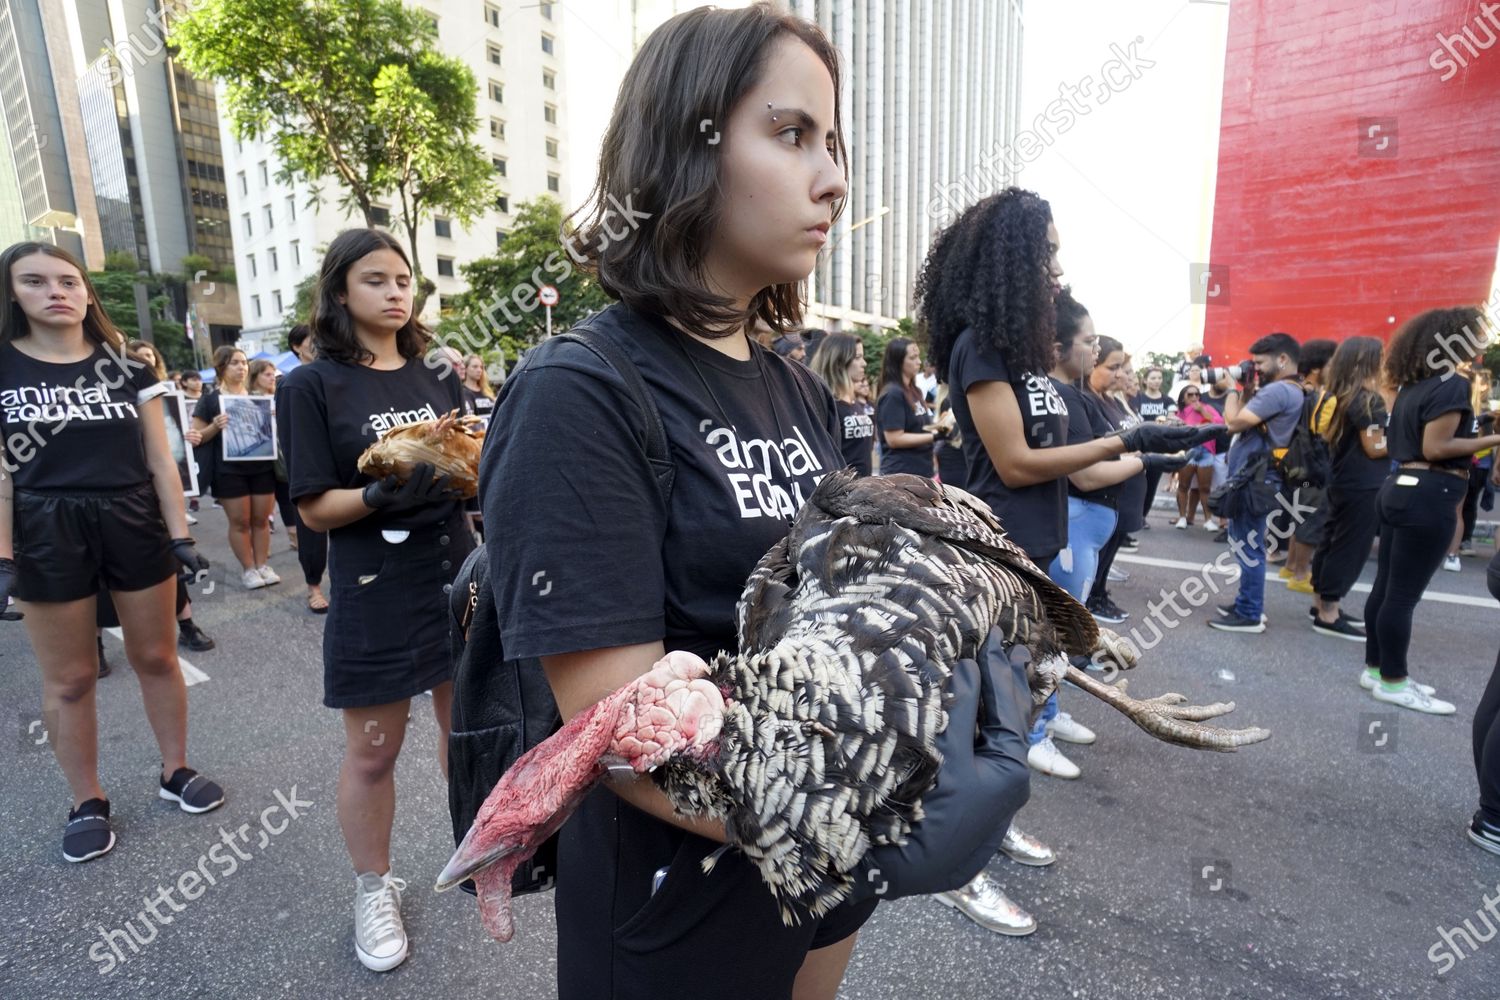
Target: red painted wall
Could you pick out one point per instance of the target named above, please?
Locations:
(1319, 228)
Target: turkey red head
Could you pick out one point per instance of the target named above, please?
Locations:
(672, 711)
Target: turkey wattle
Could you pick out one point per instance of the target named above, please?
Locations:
(816, 741)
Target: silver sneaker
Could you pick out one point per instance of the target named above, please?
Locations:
(983, 902)
(1026, 850)
(379, 936)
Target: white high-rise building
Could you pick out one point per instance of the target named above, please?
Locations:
(517, 53)
(931, 91)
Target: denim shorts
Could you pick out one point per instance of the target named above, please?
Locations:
(1200, 457)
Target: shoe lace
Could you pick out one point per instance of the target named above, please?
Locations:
(985, 890)
(382, 914)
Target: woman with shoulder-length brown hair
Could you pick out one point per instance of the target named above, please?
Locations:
(698, 233)
(90, 496)
(393, 546)
(840, 362)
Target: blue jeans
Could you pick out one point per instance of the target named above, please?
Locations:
(1247, 539)
(1039, 727)
(1089, 527)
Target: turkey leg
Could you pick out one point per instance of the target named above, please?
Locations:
(1169, 720)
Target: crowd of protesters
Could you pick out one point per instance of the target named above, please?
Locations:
(1021, 402)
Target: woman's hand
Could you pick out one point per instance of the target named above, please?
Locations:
(221, 421)
(192, 437)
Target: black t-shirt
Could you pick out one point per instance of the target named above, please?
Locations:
(588, 556)
(1150, 409)
(857, 430)
(207, 409)
(894, 413)
(1352, 468)
(334, 411)
(75, 425)
(1086, 422)
(1130, 495)
(1035, 517)
(477, 404)
(1217, 402)
(1420, 404)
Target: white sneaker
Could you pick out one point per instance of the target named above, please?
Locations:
(1181, 523)
(1210, 525)
(1370, 681)
(1046, 758)
(983, 902)
(1452, 564)
(1409, 695)
(269, 575)
(253, 580)
(191, 520)
(1070, 730)
(1118, 575)
(379, 936)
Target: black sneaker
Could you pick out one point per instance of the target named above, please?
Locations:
(1234, 623)
(1107, 611)
(191, 637)
(1227, 611)
(1222, 536)
(1483, 833)
(104, 668)
(87, 834)
(1339, 628)
(1356, 622)
(1130, 544)
(192, 791)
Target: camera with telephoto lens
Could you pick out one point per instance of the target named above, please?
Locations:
(1244, 373)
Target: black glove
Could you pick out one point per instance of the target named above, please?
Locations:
(1165, 438)
(7, 581)
(193, 563)
(981, 786)
(423, 487)
(1157, 464)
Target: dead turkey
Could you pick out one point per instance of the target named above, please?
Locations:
(816, 741)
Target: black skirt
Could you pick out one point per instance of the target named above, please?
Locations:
(386, 635)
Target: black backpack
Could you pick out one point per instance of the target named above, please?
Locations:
(1307, 464)
(503, 707)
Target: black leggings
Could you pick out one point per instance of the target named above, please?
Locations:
(312, 551)
(1477, 476)
(284, 502)
(1348, 534)
(1418, 509)
(1100, 589)
(1487, 728)
(1152, 482)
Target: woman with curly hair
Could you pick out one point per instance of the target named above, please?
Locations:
(986, 300)
(1431, 437)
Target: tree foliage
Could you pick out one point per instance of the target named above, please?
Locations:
(350, 89)
(116, 293)
(499, 315)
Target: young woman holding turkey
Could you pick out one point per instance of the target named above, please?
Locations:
(613, 572)
(90, 495)
(393, 546)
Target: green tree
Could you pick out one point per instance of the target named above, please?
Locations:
(499, 311)
(116, 295)
(349, 89)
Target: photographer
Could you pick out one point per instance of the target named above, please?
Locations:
(1307, 533)
(1264, 424)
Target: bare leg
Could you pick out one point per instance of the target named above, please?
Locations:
(822, 971)
(237, 513)
(367, 782)
(442, 709)
(146, 618)
(1182, 493)
(261, 505)
(62, 637)
(1205, 487)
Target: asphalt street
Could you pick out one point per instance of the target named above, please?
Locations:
(1325, 863)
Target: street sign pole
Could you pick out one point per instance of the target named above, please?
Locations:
(547, 296)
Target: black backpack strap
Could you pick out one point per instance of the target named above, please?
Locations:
(658, 449)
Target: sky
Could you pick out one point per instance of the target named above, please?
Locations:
(1131, 182)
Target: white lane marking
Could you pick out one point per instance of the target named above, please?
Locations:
(1363, 588)
(190, 674)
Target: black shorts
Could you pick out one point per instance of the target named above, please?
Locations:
(68, 544)
(386, 634)
(1309, 531)
(714, 936)
(231, 484)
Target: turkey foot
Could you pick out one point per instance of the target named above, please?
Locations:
(1170, 721)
